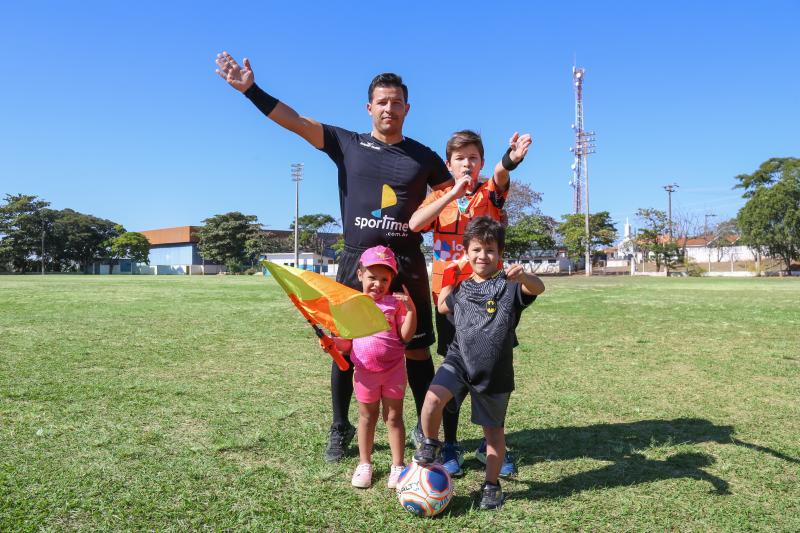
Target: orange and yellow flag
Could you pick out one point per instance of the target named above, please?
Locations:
(341, 310)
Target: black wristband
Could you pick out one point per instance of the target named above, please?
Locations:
(507, 163)
(263, 101)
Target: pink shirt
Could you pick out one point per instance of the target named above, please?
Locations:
(382, 351)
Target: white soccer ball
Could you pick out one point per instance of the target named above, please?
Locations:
(424, 490)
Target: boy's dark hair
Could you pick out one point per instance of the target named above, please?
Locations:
(463, 138)
(387, 79)
(485, 229)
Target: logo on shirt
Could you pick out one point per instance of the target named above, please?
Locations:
(370, 144)
(381, 221)
(491, 306)
(388, 199)
(447, 250)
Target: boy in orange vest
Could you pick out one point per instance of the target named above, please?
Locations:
(447, 212)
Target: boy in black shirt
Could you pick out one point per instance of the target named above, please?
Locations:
(486, 309)
(383, 177)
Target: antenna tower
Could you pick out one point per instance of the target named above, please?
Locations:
(584, 145)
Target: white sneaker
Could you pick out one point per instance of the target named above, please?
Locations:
(394, 474)
(362, 477)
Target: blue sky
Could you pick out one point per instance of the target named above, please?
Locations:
(114, 109)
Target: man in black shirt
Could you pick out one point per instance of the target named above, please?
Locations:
(383, 178)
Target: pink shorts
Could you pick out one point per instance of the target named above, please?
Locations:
(370, 387)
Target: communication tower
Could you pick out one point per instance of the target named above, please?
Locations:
(584, 145)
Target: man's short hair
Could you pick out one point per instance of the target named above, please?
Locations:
(485, 229)
(463, 138)
(387, 79)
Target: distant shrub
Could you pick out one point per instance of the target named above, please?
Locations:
(695, 270)
(250, 271)
(234, 267)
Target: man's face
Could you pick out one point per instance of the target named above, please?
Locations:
(388, 109)
(466, 161)
(483, 257)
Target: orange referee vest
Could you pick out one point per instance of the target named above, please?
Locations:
(449, 226)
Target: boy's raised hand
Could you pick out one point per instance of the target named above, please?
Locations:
(519, 146)
(240, 78)
(515, 273)
(461, 186)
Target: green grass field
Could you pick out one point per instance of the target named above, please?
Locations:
(173, 404)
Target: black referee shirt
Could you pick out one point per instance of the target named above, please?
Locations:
(380, 186)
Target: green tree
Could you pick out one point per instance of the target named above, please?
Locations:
(725, 235)
(529, 232)
(110, 253)
(80, 239)
(129, 245)
(573, 232)
(770, 220)
(223, 238)
(22, 223)
(309, 229)
(31, 233)
(258, 242)
(338, 248)
(649, 239)
(522, 200)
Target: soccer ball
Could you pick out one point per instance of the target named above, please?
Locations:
(424, 490)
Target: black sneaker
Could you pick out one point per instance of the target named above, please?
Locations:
(417, 437)
(338, 441)
(491, 497)
(427, 452)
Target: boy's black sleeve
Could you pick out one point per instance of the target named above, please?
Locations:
(451, 300)
(522, 300)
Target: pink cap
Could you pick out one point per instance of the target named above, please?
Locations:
(379, 255)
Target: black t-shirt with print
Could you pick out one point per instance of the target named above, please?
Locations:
(486, 315)
(380, 186)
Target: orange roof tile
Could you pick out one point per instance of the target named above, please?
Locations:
(179, 235)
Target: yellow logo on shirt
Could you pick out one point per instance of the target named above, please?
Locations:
(491, 306)
(388, 199)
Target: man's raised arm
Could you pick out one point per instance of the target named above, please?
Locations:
(242, 79)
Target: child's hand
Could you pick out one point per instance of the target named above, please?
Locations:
(343, 345)
(461, 186)
(405, 297)
(519, 146)
(516, 273)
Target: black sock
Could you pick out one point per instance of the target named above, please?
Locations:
(420, 375)
(341, 393)
(450, 421)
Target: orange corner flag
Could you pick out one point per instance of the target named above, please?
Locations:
(323, 302)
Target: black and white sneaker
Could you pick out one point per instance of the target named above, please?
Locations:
(491, 497)
(339, 440)
(428, 451)
(417, 437)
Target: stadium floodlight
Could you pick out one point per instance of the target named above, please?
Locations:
(297, 177)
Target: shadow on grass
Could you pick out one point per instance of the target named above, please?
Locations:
(622, 445)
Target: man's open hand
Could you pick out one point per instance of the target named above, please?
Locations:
(240, 78)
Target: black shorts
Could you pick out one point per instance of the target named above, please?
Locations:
(413, 273)
(488, 409)
(445, 332)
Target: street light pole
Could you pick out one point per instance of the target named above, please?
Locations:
(670, 189)
(705, 235)
(297, 177)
